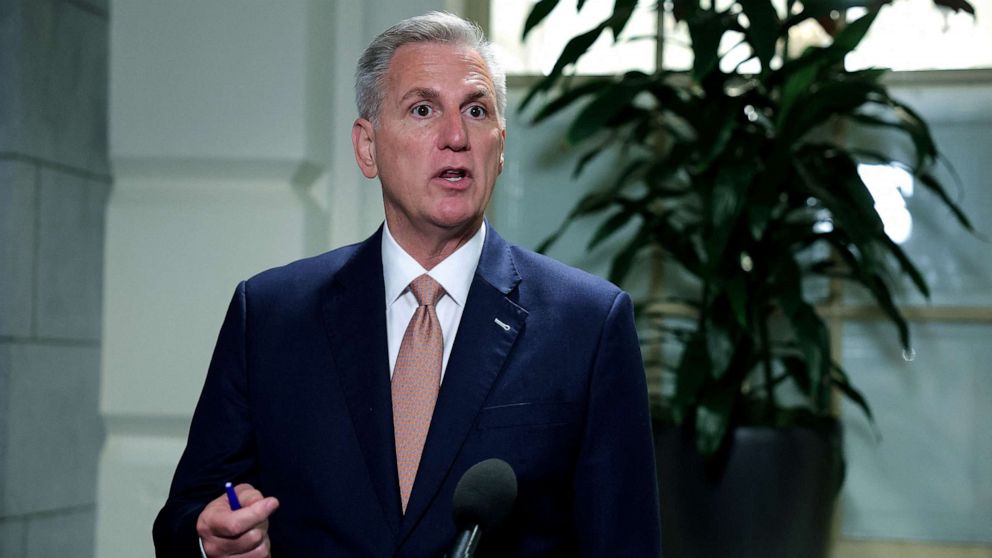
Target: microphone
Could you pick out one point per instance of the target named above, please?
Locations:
(483, 498)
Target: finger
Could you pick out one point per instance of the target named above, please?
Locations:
(247, 494)
(235, 523)
(263, 550)
(218, 520)
(253, 542)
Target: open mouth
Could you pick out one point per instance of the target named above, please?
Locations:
(453, 174)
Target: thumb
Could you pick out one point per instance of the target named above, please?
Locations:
(255, 514)
(264, 507)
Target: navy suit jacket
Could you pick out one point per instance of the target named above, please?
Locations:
(545, 373)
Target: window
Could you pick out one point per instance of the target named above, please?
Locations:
(545, 42)
(939, 391)
(916, 35)
(908, 35)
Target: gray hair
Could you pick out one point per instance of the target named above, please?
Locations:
(433, 27)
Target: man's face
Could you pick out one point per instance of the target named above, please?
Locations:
(438, 145)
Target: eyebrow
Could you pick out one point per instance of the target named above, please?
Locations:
(432, 94)
(421, 93)
(478, 94)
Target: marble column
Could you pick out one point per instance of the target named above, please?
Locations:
(54, 183)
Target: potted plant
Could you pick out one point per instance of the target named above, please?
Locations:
(747, 183)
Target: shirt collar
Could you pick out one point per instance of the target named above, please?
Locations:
(455, 273)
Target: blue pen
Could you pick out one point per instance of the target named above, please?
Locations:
(232, 497)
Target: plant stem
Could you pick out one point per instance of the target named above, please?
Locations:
(766, 358)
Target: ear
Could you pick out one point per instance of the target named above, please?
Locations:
(502, 148)
(363, 140)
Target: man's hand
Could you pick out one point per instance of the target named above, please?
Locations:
(243, 533)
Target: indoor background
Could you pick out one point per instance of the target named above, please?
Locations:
(153, 154)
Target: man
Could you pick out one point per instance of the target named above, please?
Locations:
(346, 401)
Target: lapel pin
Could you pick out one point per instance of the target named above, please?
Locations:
(502, 325)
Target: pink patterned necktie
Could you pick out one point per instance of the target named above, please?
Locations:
(416, 380)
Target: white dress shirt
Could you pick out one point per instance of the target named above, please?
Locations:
(455, 274)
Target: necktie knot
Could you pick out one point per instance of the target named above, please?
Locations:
(426, 290)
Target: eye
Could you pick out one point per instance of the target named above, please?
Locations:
(423, 111)
(477, 111)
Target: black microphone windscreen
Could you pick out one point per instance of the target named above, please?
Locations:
(485, 494)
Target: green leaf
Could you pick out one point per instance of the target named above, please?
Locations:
(883, 297)
(956, 5)
(659, 174)
(590, 203)
(923, 144)
(841, 381)
(678, 243)
(542, 248)
(796, 369)
(736, 290)
(800, 74)
(825, 101)
(902, 117)
(823, 8)
(622, 10)
(684, 9)
(717, 128)
(595, 115)
(796, 85)
(850, 36)
(814, 342)
(587, 158)
(867, 273)
(544, 84)
(622, 262)
(713, 420)
(706, 29)
(537, 15)
(762, 33)
(931, 182)
(873, 75)
(811, 334)
(691, 374)
(907, 266)
(575, 48)
(670, 96)
(629, 175)
(831, 176)
(720, 343)
(568, 97)
(725, 205)
(609, 227)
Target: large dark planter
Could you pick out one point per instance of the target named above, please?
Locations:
(773, 496)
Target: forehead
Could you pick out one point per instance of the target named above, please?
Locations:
(431, 64)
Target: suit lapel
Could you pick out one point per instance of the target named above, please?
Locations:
(487, 331)
(355, 320)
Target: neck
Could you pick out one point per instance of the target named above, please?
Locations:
(432, 247)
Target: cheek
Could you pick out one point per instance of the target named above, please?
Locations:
(403, 154)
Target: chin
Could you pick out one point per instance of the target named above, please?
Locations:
(460, 221)
(459, 216)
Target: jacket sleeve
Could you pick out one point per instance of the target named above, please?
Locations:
(616, 507)
(220, 446)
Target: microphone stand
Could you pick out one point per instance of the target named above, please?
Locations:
(466, 543)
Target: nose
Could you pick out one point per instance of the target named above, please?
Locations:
(453, 134)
